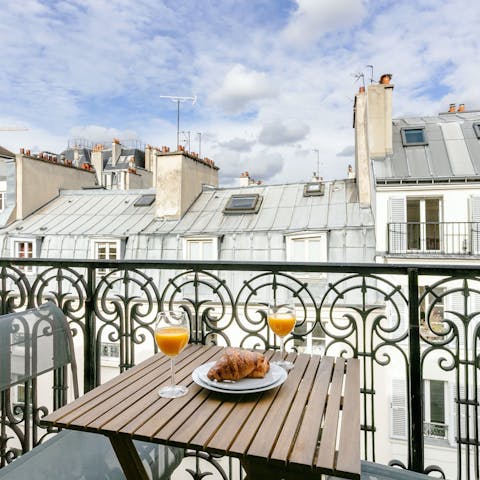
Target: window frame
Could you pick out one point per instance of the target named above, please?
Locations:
(406, 143)
(476, 129)
(96, 242)
(427, 401)
(230, 210)
(200, 239)
(290, 239)
(16, 252)
(3, 196)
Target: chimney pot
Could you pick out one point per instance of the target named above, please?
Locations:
(22, 151)
(385, 78)
(361, 90)
(27, 152)
(451, 108)
(461, 107)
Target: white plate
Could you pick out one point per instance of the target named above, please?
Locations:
(275, 377)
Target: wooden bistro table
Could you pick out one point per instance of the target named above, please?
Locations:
(304, 429)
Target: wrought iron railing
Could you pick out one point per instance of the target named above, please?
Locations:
(434, 238)
(406, 323)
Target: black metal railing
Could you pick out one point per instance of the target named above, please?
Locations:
(434, 238)
(407, 324)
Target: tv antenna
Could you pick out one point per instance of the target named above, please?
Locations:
(371, 73)
(179, 100)
(359, 76)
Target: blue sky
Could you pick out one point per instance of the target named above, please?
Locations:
(275, 79)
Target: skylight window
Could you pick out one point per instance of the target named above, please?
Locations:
(313, 188)
(476, 127)
(413, 136)
(243, 204)
(144, 200)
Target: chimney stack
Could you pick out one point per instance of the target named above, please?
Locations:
(461, 107)
(179, 179)
(451, 108)
(116, 151)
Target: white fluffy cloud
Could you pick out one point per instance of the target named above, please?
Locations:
(242, 86)
(313, 18)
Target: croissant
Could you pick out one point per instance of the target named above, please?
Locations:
(235, 364)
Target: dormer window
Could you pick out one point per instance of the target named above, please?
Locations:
(476, 127)
(243, 204)
(413, 136)
(313, 188)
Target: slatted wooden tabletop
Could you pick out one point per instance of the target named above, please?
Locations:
(308, 426)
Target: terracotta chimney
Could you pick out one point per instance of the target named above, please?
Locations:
(451, 109)
(22, 151)
(461, 107)
(385, 79)
(361, 90)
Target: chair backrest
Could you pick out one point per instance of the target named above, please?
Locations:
(34, 342)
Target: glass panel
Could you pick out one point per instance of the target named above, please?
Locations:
(314, 250)
(432, 217)
(207, 250)
(413, 227)
(437, 401)
(242, 202)
(414, 135)
(298, 250)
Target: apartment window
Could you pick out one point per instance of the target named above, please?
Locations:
(476, 128)
(307, 248)
(433, 306)
(106, 250)
(434, 424)
(2, 201)
(243, 204)
(423, 223)
(200, 248)
(110, 350)
(24, 249)
(413, 136)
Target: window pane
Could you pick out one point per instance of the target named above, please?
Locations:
(314, 250)
(437, 402)
(207, 250)
(298, 250)
(414, 135)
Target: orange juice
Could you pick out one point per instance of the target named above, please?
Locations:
(171, 340)
(281, 323)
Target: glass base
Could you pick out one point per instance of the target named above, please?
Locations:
(173, 391)
(285, 364)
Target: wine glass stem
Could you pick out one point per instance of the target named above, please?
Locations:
(281, 348)
(172, 371)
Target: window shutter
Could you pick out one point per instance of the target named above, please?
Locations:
(399, 410)
(398, 229)
(455, 303)
(402, 320)
(475, 226)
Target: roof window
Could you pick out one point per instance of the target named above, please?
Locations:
(476, 127)
(144, 200)
(313, 188)
(243, 204)
(413, 136)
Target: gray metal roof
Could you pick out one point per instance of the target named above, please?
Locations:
(284, 208)
(452, 152)
(89, 212)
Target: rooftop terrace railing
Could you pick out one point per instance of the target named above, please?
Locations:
(415, 329)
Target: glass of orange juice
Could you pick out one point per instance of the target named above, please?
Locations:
(281, 319)
(172, 333)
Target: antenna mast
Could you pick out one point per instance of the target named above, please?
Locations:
(179, 100)
(318, 161)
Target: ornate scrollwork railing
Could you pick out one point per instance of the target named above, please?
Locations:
(415, 325)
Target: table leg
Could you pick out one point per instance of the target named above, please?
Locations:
(128, 457)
